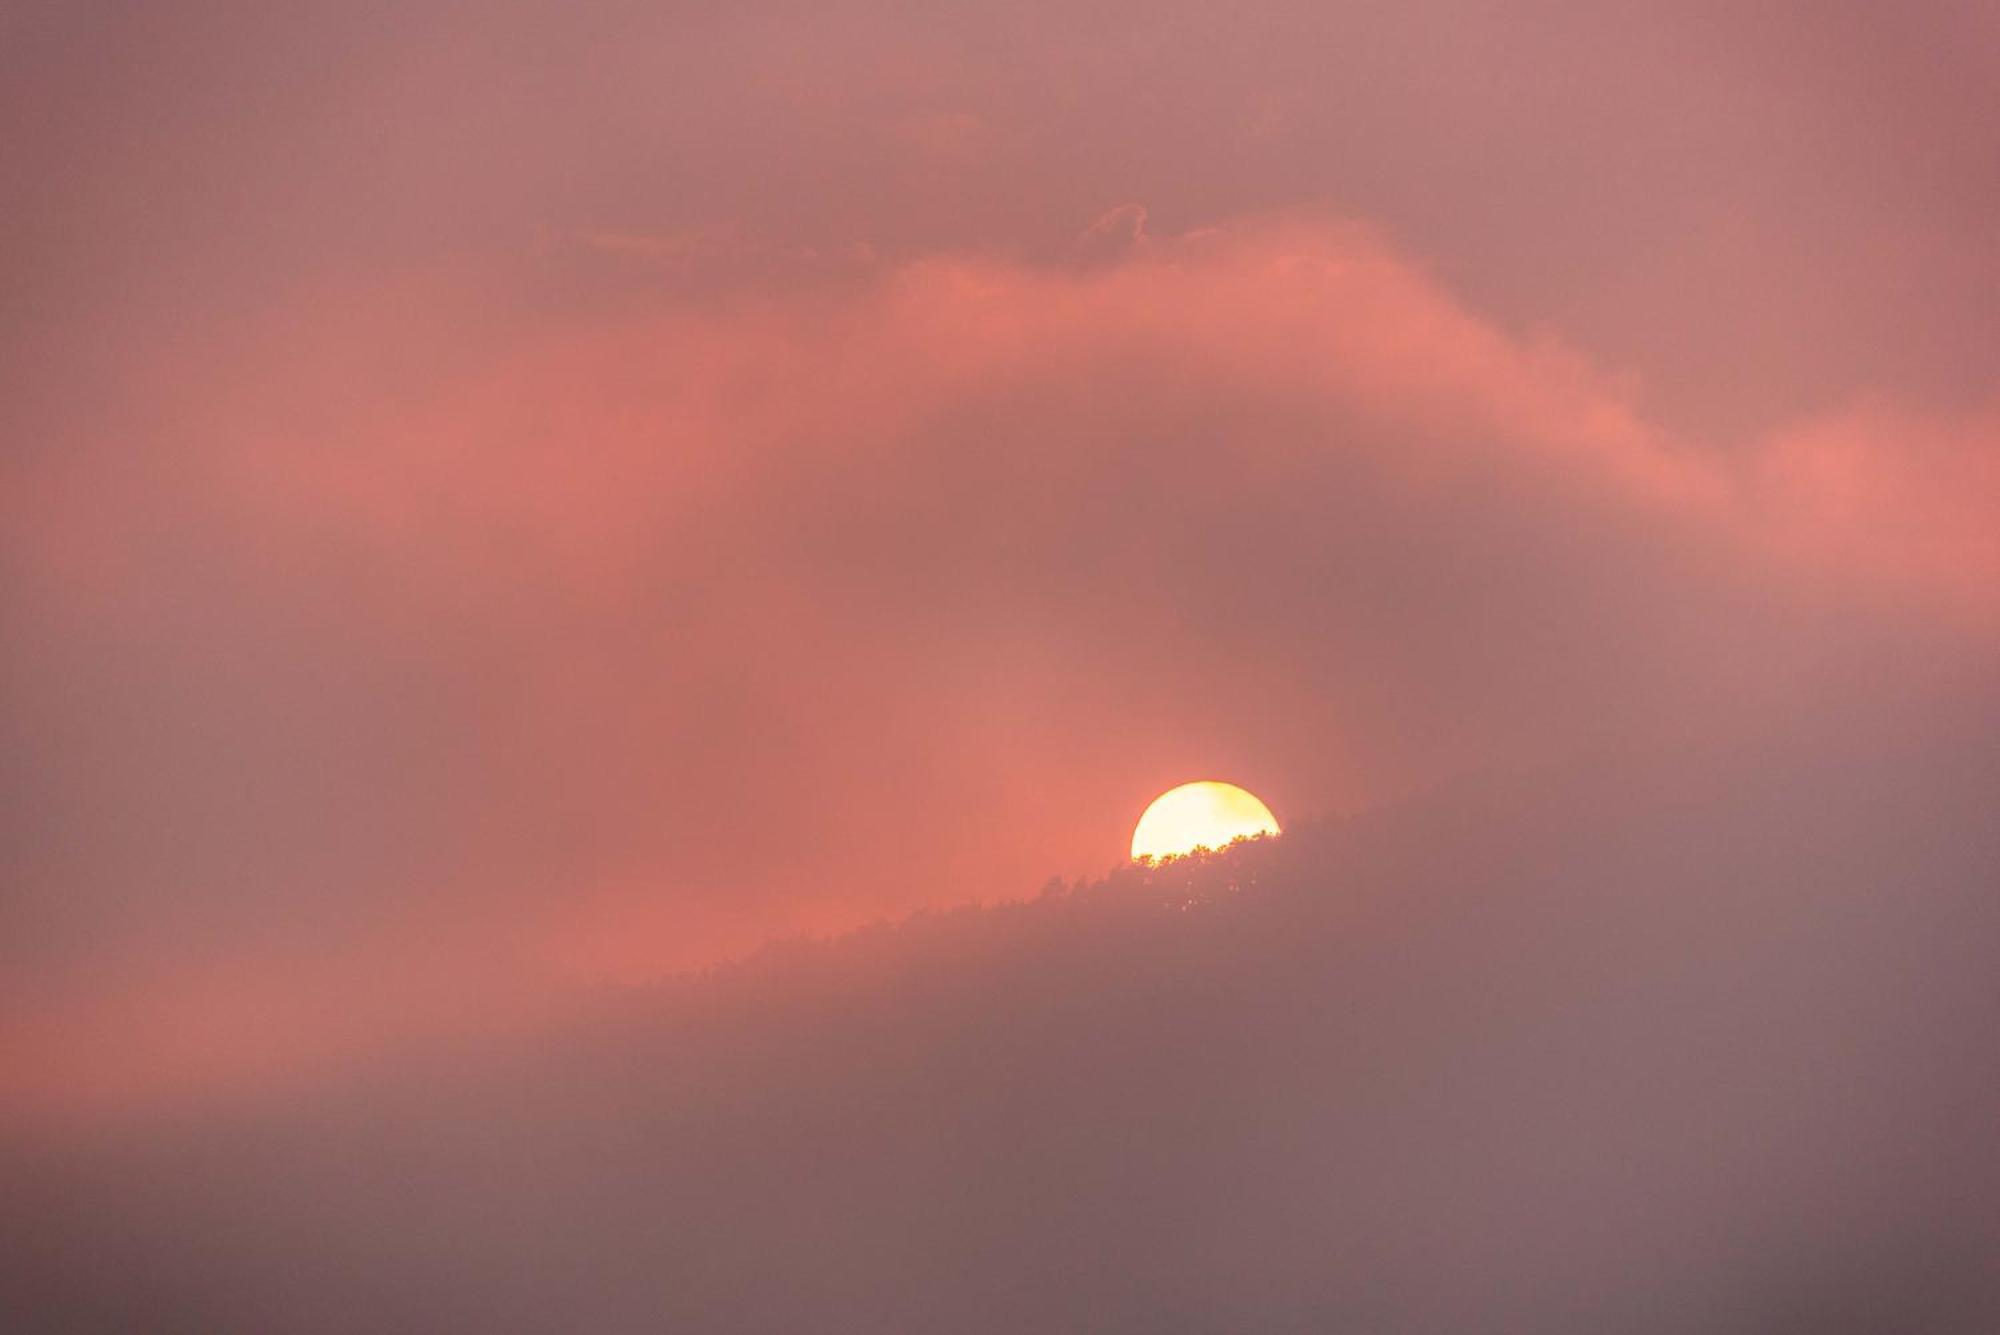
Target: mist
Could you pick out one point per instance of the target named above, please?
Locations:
(1684, 1042)
(568, 571)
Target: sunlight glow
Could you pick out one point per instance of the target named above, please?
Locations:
(1199, 815)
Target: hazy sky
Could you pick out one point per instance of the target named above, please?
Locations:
(563, 492)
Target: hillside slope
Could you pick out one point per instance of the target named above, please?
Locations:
(1688, 1043)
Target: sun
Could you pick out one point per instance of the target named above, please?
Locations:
(1199, 815)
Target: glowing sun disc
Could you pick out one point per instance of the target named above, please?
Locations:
(1199, 815)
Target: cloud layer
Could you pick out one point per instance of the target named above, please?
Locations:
(572, 495)
(499, 511)
(630, 632)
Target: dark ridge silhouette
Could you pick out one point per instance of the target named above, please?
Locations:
(1663, 1046)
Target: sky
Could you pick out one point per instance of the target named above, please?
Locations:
(590, 594)
(501, 505)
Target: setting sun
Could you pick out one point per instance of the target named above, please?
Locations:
(1199, 815)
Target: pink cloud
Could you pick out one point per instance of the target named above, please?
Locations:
(1900, 501)
(635, 626)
